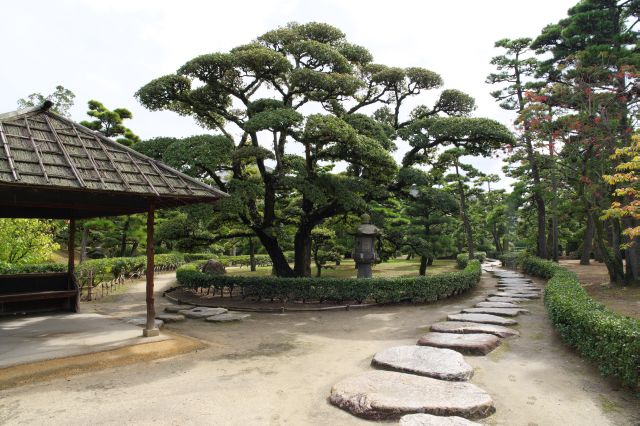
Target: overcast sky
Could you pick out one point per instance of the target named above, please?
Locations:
(106, 50)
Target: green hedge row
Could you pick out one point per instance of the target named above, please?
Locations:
(463, 258)
(108, 268)
(8, 269)
(241, 260)
(608, 338)
(379, 290)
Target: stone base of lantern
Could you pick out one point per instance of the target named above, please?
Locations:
(364, 270)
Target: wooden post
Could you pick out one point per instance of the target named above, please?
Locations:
(72, 245)
(150, 330)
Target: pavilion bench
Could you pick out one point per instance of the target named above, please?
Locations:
(25, 293)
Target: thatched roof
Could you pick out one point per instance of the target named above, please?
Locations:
(51, 166)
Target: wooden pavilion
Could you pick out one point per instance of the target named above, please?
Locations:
(54, 168)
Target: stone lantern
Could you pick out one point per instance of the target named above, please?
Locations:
(364, 252)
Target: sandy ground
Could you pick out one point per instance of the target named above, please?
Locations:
(278, 369)
(595, 279)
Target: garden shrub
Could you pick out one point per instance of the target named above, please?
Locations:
(608, 338)
(463, 258)
(379, 290)
(31, 268)
(109, 268)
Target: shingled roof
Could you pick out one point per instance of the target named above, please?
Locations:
(53, 167)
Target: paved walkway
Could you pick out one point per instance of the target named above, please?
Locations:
(278, 369)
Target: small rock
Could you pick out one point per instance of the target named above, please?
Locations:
(515, 294)
(227, 317)
(443, 364)
(170, 317)
(431, 420)
(496, 305)
(142, 322)
(473, 327)
(470, 344)
(389, 395)
(482, 318)
(177, 308)
(201, 312)
(506, 312)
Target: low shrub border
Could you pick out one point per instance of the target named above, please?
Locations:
(31, 268)
(378, 290)
(463, 258)
(608, 338)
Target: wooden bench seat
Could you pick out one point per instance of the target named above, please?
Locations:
(38, 292)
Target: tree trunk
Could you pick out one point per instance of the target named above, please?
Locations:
(83, 244)
(423, 265)
(631, 255)
(302, 251)
(496, 238)
(252, 254)
(587, 239)
(430, 261)
(542, 224)
(613, 261)
(465, 217)
(123, 238)
(279, 265)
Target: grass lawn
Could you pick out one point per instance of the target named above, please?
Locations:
(392, 268)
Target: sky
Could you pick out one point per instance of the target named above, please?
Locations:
(107, 50)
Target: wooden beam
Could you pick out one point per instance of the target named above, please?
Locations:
(144, 176)
(150, 330)
(88, 154)
(71, 246)
(113, 164)
(36, 150)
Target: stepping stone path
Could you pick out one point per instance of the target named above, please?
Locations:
(507, 312)
(468, 344)
(473, 327)
(227, 317)
(496, 305)
(173, 309)
(142, 322)
(437, 363)
(482, 318)
(426, 386)
(380, 395)
(170, 317)
(507, 299)
(431, 420)
(201, 312)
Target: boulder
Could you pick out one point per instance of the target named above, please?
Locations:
(473, 327)
(227, 317)
(469, 344)
(441, 364)
(202, 312)
(214, 267)
(482, 318)
(390, 395)
(431, 420)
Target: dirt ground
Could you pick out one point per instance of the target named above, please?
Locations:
(595, 279)
(278, 369)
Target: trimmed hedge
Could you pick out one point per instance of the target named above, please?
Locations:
(114, 267)
(608, 338)
(31, 268)
(241, 260)
(379, 290)
(463, 258)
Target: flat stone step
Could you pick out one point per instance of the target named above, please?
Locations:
(443, 364)
(473, 327)
(468, 344)
(201, 312)
(173, 309)
(523, 285)
(170, 317)
(482, 318)
(142, 322)
(515, 294)
(431, 420)
(380, 395)
(496, 305)
(507, 299)
(505, 312)
(228, 317)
